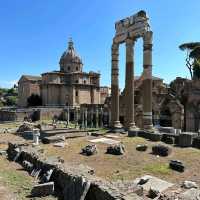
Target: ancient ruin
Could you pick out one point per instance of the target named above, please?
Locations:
(71, 138)
(128, 31)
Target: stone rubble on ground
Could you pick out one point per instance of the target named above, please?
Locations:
(44, 189)
(153, 193)
(89, 150)
(177, 165)
(141, 147)
(189, 185)
(161, 150)
(117, 149)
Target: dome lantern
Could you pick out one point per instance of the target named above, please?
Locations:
(70, 61)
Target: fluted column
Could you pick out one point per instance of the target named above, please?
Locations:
(129, 85)
(115, 123)
(96, 117)
(86, 117)
(147, 81)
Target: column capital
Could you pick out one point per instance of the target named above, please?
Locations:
(130, 41)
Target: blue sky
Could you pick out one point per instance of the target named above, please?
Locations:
(34, 34)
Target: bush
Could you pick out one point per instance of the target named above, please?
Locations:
(11, 101)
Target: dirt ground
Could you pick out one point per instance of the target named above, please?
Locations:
(133, 164)
(129, 166)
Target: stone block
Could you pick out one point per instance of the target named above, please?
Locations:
(28, 135)
(143, 134)
(133, 133)
(141, 147)
(42, 190)
(167, 130)
(156, 184)
(168, 139)
(196, 142)
(117, 149)
(177, 165)
(154, 136)
(189, 185)
(161, 150)
(186, 139)
(89, 150)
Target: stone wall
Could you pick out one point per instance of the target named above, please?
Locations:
(68, 182)
(45, 113)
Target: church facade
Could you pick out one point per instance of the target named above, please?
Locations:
(69, 86)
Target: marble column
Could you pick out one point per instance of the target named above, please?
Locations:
(76, 117)
(101, 118)
(129, 85)
(82, 117)
(92, 118)
(68, 115)
(147, 81)
(86, 117)
(115, 123)
(96, 117)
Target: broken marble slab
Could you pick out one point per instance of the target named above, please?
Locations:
(155, 183)
(112, 136)
(104, 141)
(192, 194)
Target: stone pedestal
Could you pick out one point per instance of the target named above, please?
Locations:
(36, 135)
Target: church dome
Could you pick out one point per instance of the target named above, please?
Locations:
(70, 61)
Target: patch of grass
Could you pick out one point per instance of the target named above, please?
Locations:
(157, 168)
(17, 181)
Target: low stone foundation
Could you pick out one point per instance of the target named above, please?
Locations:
(70, 183)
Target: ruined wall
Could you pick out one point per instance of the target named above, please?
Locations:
(19, 115)
(68, 183)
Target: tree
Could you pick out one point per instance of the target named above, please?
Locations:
(11, 101)
(192, 58)
(34, 100)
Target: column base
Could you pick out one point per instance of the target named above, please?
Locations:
(150, 128)
(117, 127)
(133, 130)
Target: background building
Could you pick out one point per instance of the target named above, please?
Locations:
(69, 86)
